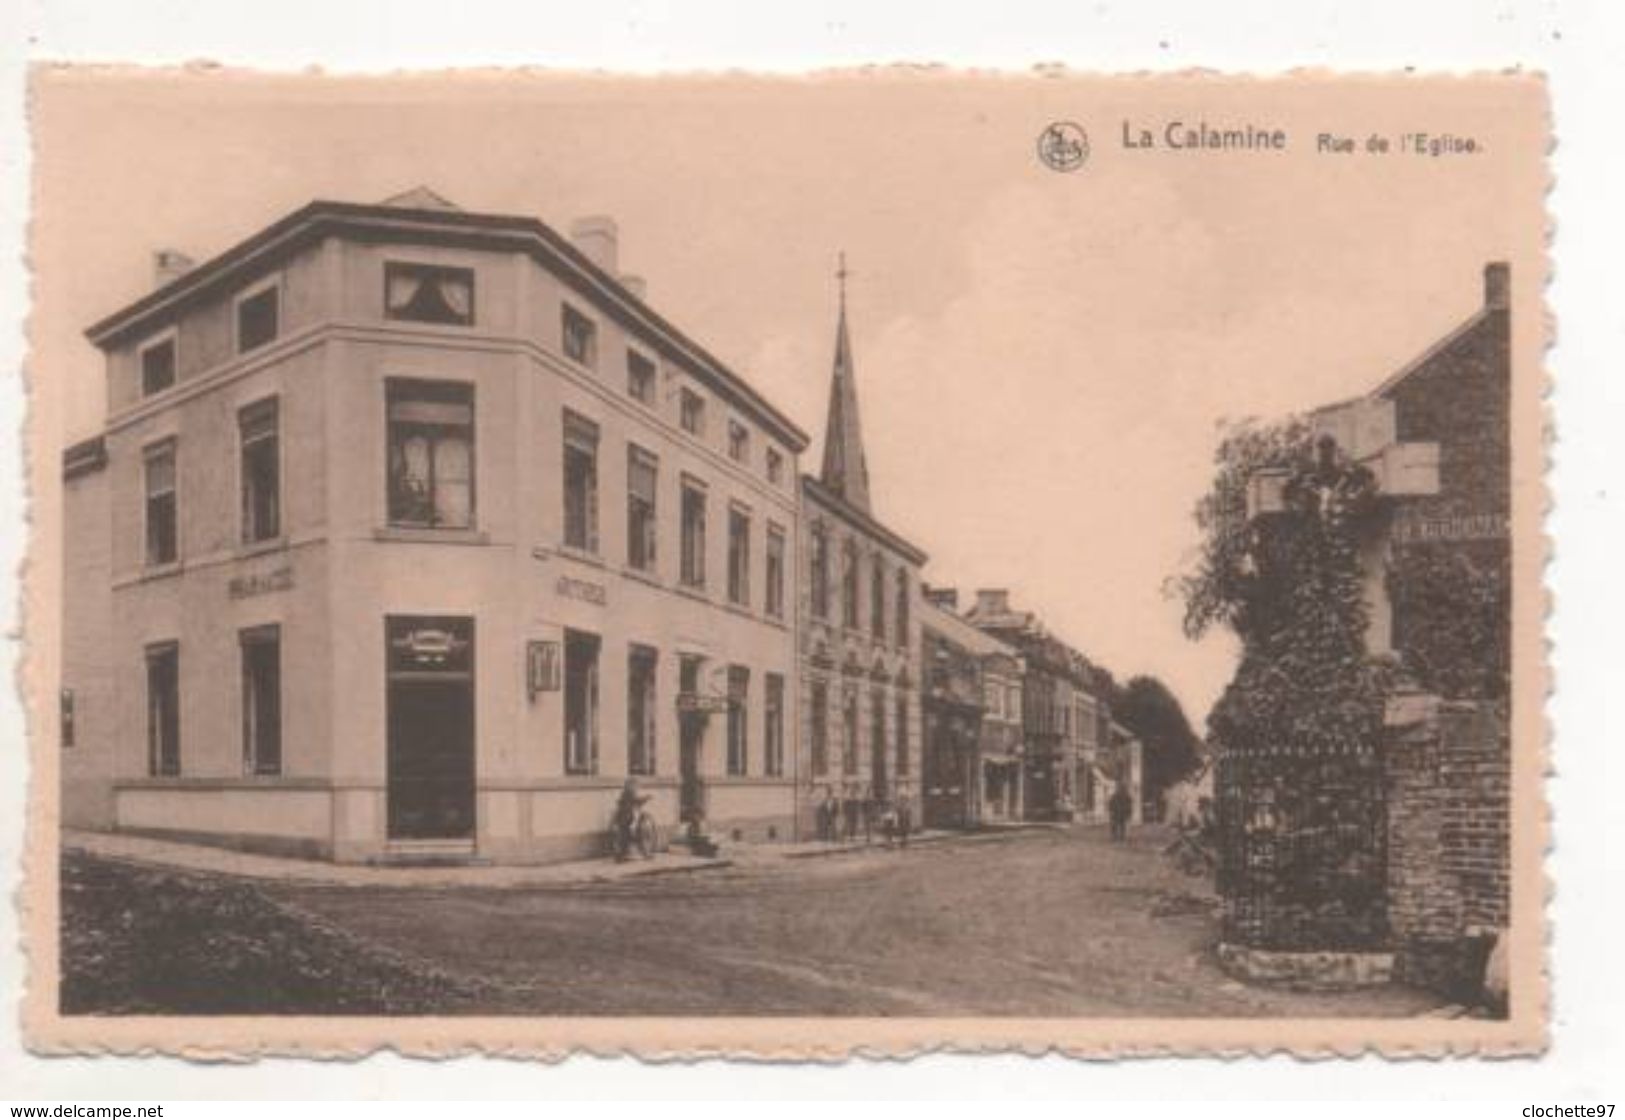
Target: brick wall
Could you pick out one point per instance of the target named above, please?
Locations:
(1448, 778)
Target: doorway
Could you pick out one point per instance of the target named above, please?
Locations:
(430, 728)
(691, 743)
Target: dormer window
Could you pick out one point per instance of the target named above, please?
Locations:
(425, 293)
(158, 365)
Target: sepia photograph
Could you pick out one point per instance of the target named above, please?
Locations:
(877, 560)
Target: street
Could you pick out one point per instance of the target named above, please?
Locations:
(1030, 924)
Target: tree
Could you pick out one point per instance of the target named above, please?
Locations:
(1153, 713)
(1296, 731)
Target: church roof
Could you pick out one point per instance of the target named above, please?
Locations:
(846, 471)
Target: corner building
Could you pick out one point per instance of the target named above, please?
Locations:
(415, 532)
(860, 634)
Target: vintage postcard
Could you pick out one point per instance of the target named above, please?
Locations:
(858, 564)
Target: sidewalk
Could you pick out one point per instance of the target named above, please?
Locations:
(204, 859)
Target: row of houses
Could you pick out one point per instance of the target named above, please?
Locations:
(416, 532)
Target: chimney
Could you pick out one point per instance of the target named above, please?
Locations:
(635, 284)
(943, 598)
(597, 238)
(1497, 286)
(992, 600)
(169, 264)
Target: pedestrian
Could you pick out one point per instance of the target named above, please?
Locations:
(1120, 806)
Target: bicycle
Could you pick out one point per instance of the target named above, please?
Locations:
(643, 835)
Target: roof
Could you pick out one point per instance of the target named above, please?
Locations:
(861, 520)
(846, 468)
(954, 627)
(425, 218)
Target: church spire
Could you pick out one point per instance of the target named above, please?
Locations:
(845, 470)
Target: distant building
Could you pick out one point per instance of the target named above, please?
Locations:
(859, 629)
(1062, 717)
(414, 532)
(973, 731)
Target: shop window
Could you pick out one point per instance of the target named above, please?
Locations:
(773, 725)
(819, 701)
(738, 720)
(642, 485)
(262, 700)
(580, 703)
(431, 454)
(640, 378)
(158, 366)
(775, 572)
(260, 471)
(163, 710)
(258, 318)
(580, 336)
(641, 710)
(425, 293)
(693, 566)
(162, 511)
(580, 483)
(738, 557)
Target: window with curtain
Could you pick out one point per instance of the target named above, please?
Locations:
(642, 483)
(259, 470)
(428, 293)
(738, 720)
(738, 557)
(162, 510)
(693, 558)
(773, 726)
(431, 454)
(580, 336)
(641, 711)
(775, 572)
(158, 366)
(580, 483)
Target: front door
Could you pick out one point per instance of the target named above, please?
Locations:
(431, 728)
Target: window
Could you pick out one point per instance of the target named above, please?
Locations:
(580, 703)
(580, 483)
(902, 736)
(640, 378)
(260, 470)
(426, 293)
(739, 557)
(262, 700)
(820, 572)
(1012, 703)
(903, 592)
(158, 366)
(693, 568)
(775, 466)
(163, 541)
(993, 697)
(849, 732)
(738, 720)
(849, 585)
(642, 483)
(877, 598)
(580, 337)
(738, 441)
(257, 318)
(163, 710)
(877, 741)
(431, 454)
(773, 726)
(65, 721)
(692, 413)
(640, 711)
(819, 700)
(775, 571)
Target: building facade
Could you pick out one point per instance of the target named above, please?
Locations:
(973, 720)
(860, 634)
(414, 531)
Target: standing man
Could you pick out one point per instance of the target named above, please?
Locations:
(1120, 806)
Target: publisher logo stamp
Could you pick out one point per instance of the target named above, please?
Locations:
(1063, 146)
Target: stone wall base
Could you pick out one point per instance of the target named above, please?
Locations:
(1333, 970)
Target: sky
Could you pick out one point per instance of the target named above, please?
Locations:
(1043, 358)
